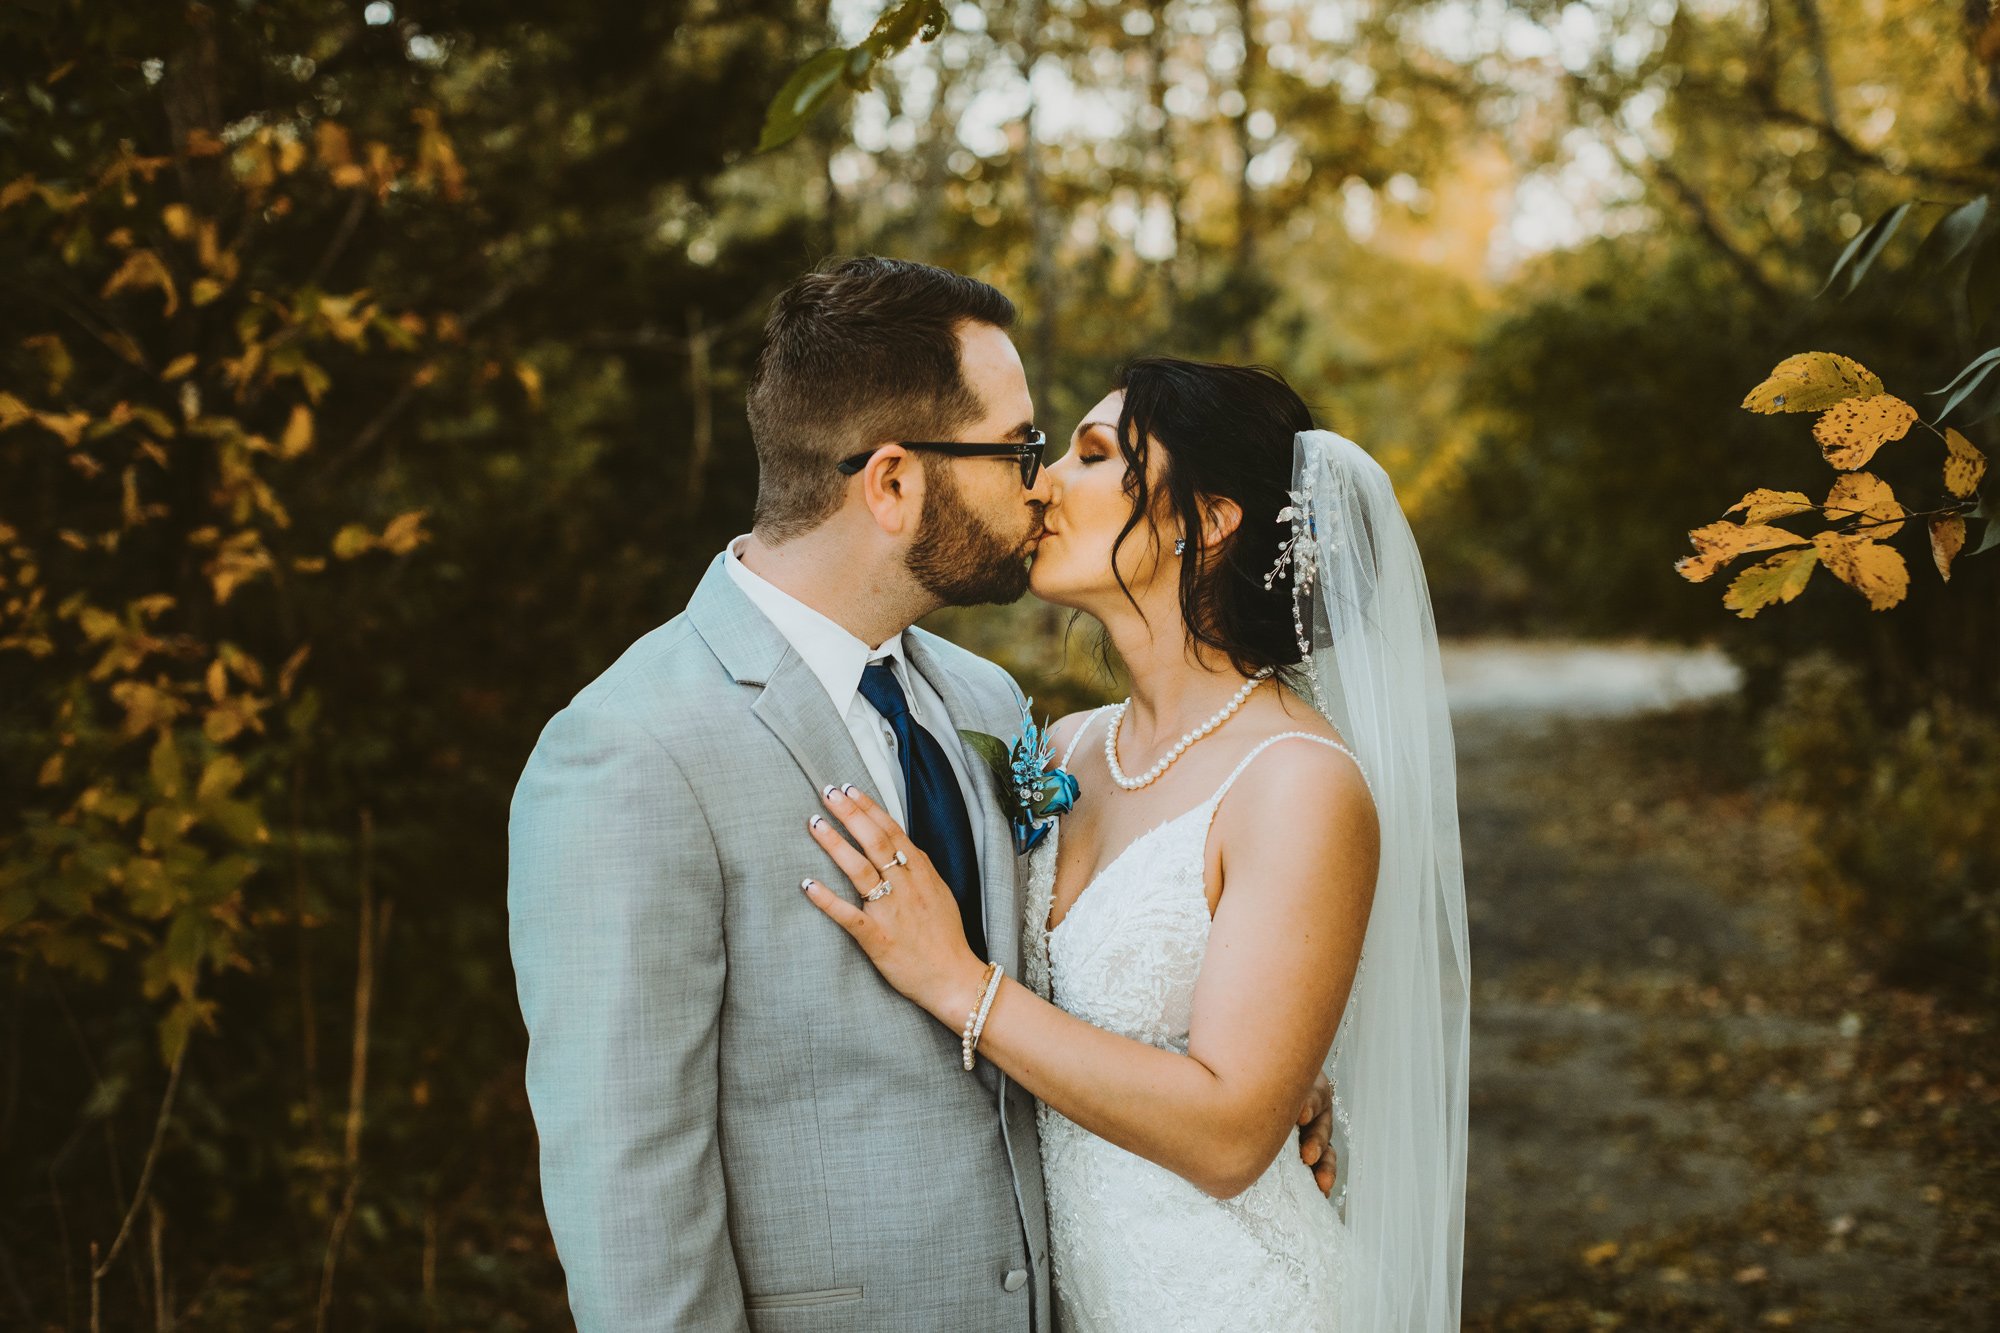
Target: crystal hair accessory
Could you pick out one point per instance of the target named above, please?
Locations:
(1297, 553)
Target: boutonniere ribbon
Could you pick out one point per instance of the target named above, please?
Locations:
(1032, 791)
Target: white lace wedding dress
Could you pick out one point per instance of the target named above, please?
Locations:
(1136, 1248)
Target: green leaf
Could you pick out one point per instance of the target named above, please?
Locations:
(105, 1097)
(219, 778)
(169, 776)
(1991, 537)
(1973, 374)
(994, 751)
(804, 93)
(1863, 250)
(187, 942)
(1958, 229)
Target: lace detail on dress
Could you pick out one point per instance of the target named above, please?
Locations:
(1136, 1247)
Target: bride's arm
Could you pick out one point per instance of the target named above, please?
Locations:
(1281, 958)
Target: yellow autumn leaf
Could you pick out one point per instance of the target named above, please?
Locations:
(130, 510)
(1716, 544)
(1778, 579)
(179, 221)
(143, 268)
(238, 560)
(52, 771)
(146, 706)
(1849, 433)
(1811, 382)
(1601, 1253)
(14, 191)
(1964, 465)
(225, 721)
(288, 674)
(56, 361)
(1947, 537)
(298, 436)
(164, 766)
(178, 367)
(347, 317)
(352, 540)
(531, 382)
(205, 290)
(218, 778)
(1873, 569)
(1865, 496)
(332, 145)
(67, 425)
(405, 533)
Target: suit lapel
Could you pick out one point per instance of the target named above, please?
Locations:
(793, 704)
(795, 707)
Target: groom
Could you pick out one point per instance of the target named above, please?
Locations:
(741, 1125)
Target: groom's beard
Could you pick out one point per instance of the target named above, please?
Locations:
(958, 559)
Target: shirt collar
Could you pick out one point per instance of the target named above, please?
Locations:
(829, 650)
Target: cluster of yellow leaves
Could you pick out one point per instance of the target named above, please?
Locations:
(1857, 417)
(403, 535)
(150, 825)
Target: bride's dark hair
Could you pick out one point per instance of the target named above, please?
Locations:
(1227, 434)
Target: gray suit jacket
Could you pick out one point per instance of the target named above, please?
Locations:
(742, 1125)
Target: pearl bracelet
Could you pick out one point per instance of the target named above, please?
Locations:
(975, 1022)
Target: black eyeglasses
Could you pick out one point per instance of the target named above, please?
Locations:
(1027, 452)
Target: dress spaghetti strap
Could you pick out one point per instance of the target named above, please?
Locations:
(1267, 743)
(1077, 739)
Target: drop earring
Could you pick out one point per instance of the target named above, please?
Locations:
(1180, 546)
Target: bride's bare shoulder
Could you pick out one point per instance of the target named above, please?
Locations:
(1288, 775)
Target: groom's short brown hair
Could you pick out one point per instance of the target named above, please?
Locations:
(857, 352)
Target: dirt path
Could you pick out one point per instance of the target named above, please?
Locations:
(1690, 1109)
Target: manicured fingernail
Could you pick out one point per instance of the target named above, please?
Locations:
(805, 885)
(815, 821)
(828, 790)
(848, 789)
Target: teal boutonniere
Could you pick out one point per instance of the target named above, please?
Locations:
(1032, 792)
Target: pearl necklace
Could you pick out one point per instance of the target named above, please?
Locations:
(1152, 774)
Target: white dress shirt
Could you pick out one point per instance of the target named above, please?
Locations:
(837, 659)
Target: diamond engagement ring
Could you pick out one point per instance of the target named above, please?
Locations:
(899, 859)
(879, 891)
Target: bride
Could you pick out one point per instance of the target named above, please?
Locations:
(1261, 879)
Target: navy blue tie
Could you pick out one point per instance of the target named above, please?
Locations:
(937, 821)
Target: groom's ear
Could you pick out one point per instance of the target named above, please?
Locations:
(892, 486)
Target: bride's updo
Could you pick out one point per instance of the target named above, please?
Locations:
(1227, 434)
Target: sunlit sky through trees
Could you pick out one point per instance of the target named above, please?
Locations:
(1584, 192)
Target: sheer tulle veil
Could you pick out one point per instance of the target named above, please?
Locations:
(1399, 1064)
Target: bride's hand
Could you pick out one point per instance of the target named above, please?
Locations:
(913, 933)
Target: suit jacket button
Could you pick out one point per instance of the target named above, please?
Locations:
(1016, 1279)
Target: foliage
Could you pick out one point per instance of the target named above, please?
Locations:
(1857, 416)
(814, 83)
(1904, 822)
(331, 411)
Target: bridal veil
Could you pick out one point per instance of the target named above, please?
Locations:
(1399, 1064)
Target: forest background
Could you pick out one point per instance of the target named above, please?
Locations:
(371, 375)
